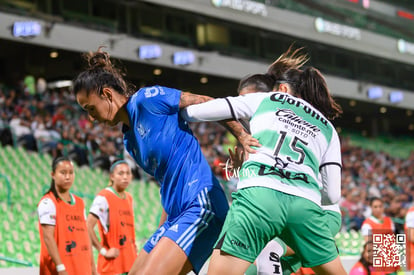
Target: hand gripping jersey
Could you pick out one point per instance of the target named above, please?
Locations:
(71, 237)
(121, 234)
(161, 142)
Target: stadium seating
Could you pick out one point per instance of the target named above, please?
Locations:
(28, 175)
(349, 243)
(400, 148)
(373, 21)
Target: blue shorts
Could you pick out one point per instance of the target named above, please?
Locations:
(197, 228)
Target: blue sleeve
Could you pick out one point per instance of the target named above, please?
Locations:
(161, 100)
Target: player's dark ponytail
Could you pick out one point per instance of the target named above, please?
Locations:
(291, 59)
(55, 163)
(310, 85)
(313, 88)
(100, 73)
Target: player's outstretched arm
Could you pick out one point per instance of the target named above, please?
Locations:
(220, 113)
(188, 99)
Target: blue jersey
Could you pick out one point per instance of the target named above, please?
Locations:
(161, 143)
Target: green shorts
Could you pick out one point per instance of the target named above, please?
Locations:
(258, 215)
(291, 264)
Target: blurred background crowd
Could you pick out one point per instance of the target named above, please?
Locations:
(48, 120)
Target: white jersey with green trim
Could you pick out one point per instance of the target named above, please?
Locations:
(297, 140)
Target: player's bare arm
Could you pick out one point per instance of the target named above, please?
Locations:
(233, 126)
(188, 99)
(245, 139)
(91, 222)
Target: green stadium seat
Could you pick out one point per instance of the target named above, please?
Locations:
(27, 246)
(32, 236)
(10, 248)
(30, 174)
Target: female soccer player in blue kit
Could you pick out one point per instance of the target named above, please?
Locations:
(161, 142)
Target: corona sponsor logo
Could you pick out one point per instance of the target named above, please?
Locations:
(282, 98)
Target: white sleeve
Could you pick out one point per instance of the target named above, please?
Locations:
(331, 184)
(224, 108)
(366, 229)
(333, 152)
(330, 169)
(47, 212)
(214, 110)
(100, 208)
(268, 261)
(409, 219)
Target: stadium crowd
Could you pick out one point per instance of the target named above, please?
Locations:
(47, 121)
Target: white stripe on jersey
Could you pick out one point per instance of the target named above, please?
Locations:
(332, 207)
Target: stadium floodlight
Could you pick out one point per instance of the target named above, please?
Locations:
(149, 52)
(375, 92)
(405, 47)
(396, 96)
(183, 58)
(26, 29)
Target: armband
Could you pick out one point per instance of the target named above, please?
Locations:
(103, 251)
(60, 267)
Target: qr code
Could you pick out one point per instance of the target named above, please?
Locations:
(388, 251)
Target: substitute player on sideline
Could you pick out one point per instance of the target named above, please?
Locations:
(113, 210)
(377, 220)
(65, 247)
(298, 143)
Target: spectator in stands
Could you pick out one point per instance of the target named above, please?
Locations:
(113, 210)
(20, 125)
(364, 265)
(83, 122)
(161, 142)
(373, 190)
(107, 155)
(352, 207)
(65, 245)
(377, 220)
